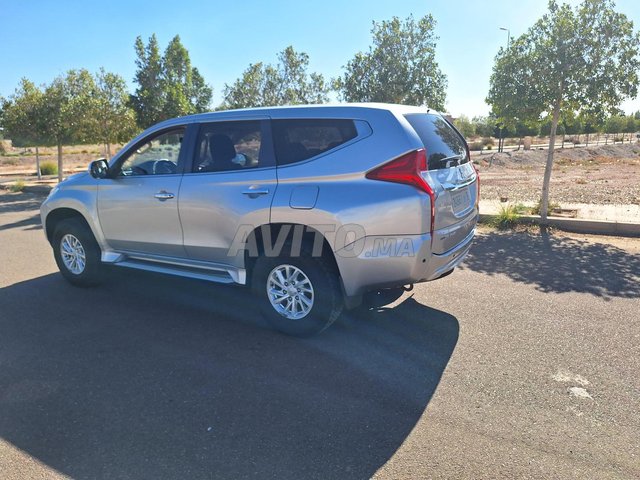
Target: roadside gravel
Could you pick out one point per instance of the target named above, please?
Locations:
(605, 175)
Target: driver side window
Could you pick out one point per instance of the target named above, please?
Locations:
(157, 156)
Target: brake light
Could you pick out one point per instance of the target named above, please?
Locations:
(407, 169)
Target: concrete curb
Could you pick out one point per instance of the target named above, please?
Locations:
(579, 225)
(35, 189)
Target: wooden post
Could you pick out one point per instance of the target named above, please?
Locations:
(38, 172)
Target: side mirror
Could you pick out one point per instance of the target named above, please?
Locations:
(99, 168)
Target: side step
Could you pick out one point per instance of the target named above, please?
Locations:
(218, 276)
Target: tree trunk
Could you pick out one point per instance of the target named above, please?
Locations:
(59, 162)
(563, 140)
(38, 172)
(108, 150)
(547, 169)
(587, 139)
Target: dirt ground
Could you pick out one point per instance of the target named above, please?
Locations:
(607, 174)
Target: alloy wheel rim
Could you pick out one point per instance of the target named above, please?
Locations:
(290, 292)
(73, 254)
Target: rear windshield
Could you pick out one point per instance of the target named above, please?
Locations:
(299, 139)
(444, 145)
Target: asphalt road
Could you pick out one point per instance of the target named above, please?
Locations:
(522, 364)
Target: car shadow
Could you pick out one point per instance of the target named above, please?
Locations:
(161, 377)
(555, 263)
(19, 202)
(33, 223)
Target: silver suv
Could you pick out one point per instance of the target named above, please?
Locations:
(312, 207)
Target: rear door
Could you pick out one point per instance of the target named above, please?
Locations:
(452, 173)
(228, 188)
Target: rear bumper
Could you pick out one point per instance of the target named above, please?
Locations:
(392, 261)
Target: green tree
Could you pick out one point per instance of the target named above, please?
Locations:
(148, 98)
(399, 67)
(67, 111)
(22, 118)
(114, 118)
(631, 125)
(286, 83)
(503, 130)
(484, 126)
(545, 128)
(525, 129)
(572, 125)
(614, 125)
(591, 125)
(200, 93)
(572, 59)
(167, 86)
(466, 126)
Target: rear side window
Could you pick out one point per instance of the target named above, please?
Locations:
(225, 146)
(444, 145)
(300, 139)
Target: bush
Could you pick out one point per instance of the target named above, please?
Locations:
(3, 150)
(475, 146)
(507, 217)
(48, 168)
(17, 187)
(10, 161)
(487, 142)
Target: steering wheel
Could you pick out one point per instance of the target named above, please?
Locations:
(133, 170)
(164, 167)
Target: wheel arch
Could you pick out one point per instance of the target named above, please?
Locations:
(57, 215)
(257, 237)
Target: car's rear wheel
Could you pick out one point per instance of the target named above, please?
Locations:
(77, 253)
(299, 296)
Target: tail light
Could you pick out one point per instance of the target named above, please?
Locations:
(407, 169)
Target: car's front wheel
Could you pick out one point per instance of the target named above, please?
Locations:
(77, 253)
(299, 296)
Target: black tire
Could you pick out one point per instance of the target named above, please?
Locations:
(328, 300)
(92, 272)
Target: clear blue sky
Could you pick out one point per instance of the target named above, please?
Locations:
(41, 39)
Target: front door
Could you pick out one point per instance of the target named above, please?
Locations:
(138, 205)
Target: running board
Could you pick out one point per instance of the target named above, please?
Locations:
(217, 276)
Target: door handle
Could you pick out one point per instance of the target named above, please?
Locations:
(254, 191)
(164, 195)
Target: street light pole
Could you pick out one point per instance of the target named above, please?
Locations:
(508, 36)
